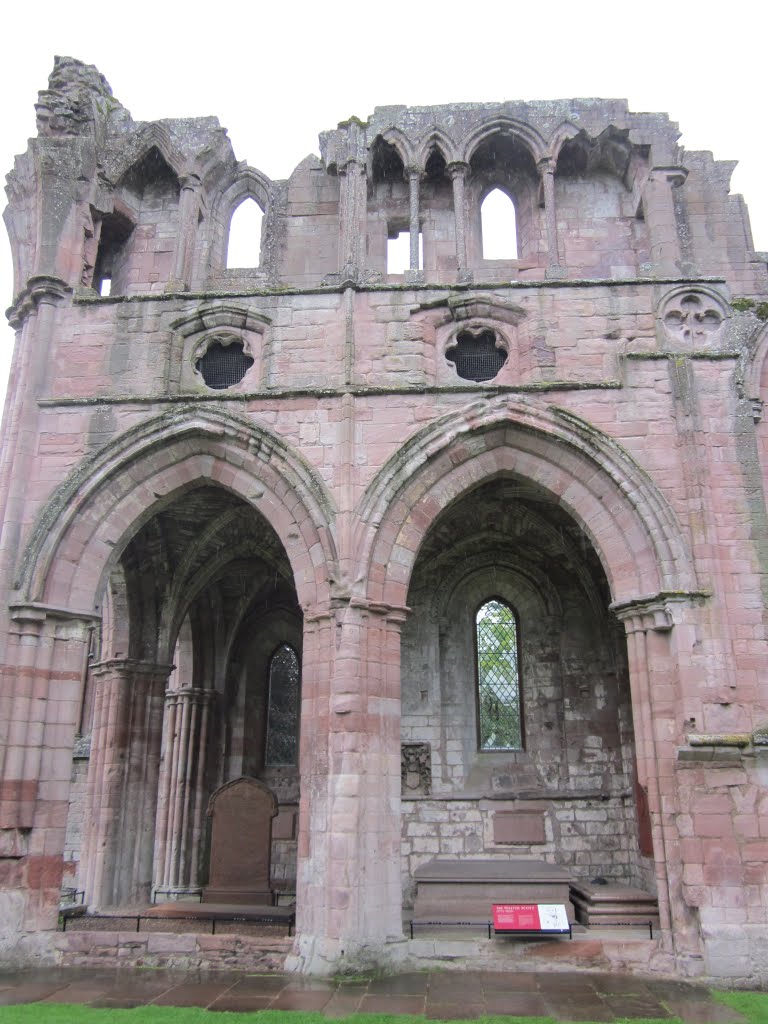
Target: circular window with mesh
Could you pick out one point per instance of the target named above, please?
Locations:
(477, 355)
(224, 364)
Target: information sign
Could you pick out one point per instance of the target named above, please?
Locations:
(530, 917)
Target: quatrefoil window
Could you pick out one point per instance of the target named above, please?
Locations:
(692, 318)
(224, 362)
(477, 354)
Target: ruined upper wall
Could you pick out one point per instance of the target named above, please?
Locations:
(458, 127)
(598, 192)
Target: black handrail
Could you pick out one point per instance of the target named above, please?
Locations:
(289, 920)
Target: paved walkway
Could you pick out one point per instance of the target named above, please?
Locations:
(441, 995)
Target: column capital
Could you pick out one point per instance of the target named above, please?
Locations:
(351, 163)
(674, 175)
(338, 604)
(30, 617)
(130, 666)
(457, 169)
(191, 695)
(546, 165)
(396, 614)
(190, 182)
(39, 290)
(654, 613)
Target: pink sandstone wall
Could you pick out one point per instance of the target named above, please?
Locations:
(361, 477)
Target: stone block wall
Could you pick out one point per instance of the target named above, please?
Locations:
(592, 839)
(365, 485)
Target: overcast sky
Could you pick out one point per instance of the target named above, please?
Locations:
(277, 74)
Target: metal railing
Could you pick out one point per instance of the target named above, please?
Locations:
(136, 919)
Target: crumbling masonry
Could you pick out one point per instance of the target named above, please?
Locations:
(251, 517)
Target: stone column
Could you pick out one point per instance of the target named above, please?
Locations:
(189, 210)
(547, 172)
(123, 774)
(181, 802)
(659, 211)
(352, 202)
(349, 901)
(458, 173)
(656, 705)
(41, 679)
(414, 178)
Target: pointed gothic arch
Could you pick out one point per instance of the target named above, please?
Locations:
(113, 493)
(630, 524)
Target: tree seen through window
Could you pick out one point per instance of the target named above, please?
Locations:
(498, 678)
(283, 708)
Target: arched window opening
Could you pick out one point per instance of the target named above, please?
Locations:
(110, 258)
(499, 226)
(399, 252)
(283, 708)
(386, 163)
(244, 246)
(499, 704)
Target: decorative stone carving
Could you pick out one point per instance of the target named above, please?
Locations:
(477, 353)
(416, 769)
(693, 319)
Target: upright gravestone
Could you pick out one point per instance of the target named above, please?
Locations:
(241, 814)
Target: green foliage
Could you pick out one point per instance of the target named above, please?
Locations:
(754, 1005)
(498, 678)
(760, 309)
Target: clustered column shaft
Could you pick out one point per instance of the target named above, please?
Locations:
(123, 780)
(181, 805)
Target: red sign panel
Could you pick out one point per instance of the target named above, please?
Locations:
(516, 917)
(530, 917)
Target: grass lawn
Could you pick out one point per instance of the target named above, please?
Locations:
(753, 1005)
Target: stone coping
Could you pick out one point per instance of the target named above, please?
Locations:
(491, 871)
(611, 893)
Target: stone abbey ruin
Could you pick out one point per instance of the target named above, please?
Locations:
(330, 581)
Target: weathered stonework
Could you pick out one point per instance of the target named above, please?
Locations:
(205, 465)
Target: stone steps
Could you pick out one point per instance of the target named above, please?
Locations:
(613, 904)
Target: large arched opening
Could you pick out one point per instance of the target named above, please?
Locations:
(190, 540)
(185, 698)
(517, 728)
(540, 510)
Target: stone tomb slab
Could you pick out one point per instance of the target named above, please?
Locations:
(451, 890)
(241, 814)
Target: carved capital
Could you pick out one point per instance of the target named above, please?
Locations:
(457, 169)
(190, 695)
(29, 618)
(674, 176)
(130, 667)
(654, 613)
(190, 182)
(38, 290)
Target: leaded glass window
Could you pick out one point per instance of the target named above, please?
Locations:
(283, 708)
(500, 725)
(224, 364)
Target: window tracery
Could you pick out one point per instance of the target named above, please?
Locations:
(283, 708)
(499, 698)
